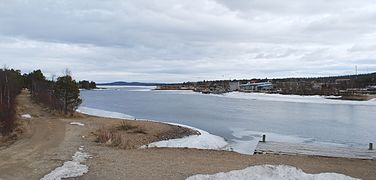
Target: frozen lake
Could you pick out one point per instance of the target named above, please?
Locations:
(241, 118)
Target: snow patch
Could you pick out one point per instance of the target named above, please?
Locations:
(103, 113)
(70, 169)
(77, 123)
(270, 172)
(203, 141)
(26, 116)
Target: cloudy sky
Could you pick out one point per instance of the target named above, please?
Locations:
(188, 40)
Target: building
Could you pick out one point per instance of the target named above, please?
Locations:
(256, 86)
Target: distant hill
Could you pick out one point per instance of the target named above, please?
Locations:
(122, 83)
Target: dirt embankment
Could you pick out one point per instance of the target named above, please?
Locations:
(51, 140)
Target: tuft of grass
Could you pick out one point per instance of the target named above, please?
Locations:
(124, 126)
(119, 136)
(110, 137)
(139, 131)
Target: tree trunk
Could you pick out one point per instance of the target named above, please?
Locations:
(65, 102)
(7, 88)
(1, 95)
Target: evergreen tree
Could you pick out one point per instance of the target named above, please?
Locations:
(67, 91)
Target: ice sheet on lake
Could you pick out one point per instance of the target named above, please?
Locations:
(242, 133)
(103, 113)
(270, 172)
(247, 140)
(70, 169)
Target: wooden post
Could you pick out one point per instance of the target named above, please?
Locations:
(370, 147)
(263, 138)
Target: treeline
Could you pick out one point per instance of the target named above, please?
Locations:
(87, 85)
(357, 81)
(62, 94)
(11, 83)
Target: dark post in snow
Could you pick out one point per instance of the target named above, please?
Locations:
(263, 138)
(370, 147)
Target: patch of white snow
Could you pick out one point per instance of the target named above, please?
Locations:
(70, 169)
(271, 172)
(203, 141)
(26, 116)
(77, 123)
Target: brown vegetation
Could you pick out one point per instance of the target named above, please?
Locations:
(10, 87)
(133, 134)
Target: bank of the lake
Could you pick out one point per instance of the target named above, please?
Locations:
(241, 118)
(50, 140)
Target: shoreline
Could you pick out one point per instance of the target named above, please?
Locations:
(354, 98)
(35, 153)
(204, 140)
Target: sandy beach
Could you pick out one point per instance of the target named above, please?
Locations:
(50, 140)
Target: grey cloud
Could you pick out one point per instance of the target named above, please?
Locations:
(179, 40)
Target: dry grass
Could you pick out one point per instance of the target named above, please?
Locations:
(120, 136)
(125, 126)
(112, 138)
(130, 134)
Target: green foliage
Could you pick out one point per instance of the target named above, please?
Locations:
(67, 91)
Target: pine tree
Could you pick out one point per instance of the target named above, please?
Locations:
(67, 91)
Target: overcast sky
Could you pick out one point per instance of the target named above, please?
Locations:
(188, 40)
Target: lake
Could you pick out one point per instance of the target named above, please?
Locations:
(244, 117)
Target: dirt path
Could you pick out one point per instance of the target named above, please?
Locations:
(28, 155)
(51, 140)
